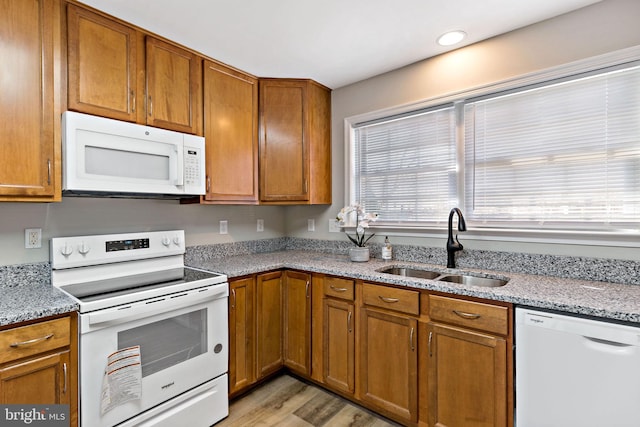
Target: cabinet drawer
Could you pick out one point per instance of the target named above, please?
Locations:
(476, 315)
(339, 288)
(392, 298)
(33, 339)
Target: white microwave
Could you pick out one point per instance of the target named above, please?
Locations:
(105, 157)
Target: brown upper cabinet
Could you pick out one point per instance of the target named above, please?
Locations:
(29, 156)
(231, 135)
(295, 142)
(117, 71)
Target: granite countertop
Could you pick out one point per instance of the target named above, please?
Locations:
(27, 294)
(600, 299)
(31, 302)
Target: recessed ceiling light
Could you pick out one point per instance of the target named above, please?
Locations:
(452, 37)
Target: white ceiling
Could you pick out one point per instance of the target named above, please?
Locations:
(335, 42)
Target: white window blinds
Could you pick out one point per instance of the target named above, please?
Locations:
(565, 154)
(405, 167)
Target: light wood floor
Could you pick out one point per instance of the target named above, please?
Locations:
(288, 402)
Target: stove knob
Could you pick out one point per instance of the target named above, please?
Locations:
(66, 250)
(176, 241)
(166, 241)
(84, 248)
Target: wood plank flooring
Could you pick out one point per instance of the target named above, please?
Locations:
(288, 402)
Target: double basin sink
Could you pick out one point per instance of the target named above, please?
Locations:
(460, 278)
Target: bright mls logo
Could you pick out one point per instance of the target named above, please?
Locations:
(34, 415)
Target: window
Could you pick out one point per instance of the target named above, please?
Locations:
(560, 154)
(566, 154)
(405, 167)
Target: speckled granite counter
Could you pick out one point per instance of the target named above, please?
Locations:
(26, 294)
(606, 300)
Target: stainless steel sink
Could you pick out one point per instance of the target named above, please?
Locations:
(466, 279)
(411, 272)
(463, 279)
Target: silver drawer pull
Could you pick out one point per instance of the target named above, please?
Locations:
(338, 289)
(390, 300)
(33, 341)
(466, 315)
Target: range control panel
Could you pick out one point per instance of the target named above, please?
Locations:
(125, 245)
(80, 251)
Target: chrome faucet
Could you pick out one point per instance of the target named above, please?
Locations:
(453, 245)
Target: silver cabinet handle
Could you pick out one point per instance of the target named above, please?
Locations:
(338, 289)
(64, 370)
(208, 184)
(150, 106)
(349, 321)
(233, 294)
(430, 338)
(466, 315)
(48, 171)
(33, 341)
(411, 340)
(389, 300)
(306, 289)
(133, 101)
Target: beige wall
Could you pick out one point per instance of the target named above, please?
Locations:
(76, 216)
(601, 28)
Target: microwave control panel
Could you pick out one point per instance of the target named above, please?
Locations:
(194, 165)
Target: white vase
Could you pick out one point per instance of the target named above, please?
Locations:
(359, 254)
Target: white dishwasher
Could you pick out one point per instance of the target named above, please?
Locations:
(576, 372)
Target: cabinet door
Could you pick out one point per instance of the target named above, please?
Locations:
(28, 165)
(297, 322)
(269, 323)
(44, 380)
(389, 363)
(284, 155)
(339, 345)
(103, 66)
(174, 90)
(242, 367)
(467, 378)
(231, 134)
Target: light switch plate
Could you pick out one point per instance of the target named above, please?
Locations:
(224, 227)
(260, 225)
(311, 225)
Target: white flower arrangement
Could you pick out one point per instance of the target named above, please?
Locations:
(362, 222)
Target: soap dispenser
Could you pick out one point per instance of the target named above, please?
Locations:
(387, 253)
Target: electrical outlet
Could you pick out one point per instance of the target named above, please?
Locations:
(32, 238)
(334, 226)
(224, 227)
(260, 225)
(311, 225)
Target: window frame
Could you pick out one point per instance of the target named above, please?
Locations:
(628, 237)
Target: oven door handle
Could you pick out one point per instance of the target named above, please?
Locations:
(158, 305)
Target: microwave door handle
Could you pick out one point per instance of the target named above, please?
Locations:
(178, 179)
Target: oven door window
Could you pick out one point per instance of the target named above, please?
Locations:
(168, 342)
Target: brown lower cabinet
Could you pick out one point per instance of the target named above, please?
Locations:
(466, 378)
(269, 323)
(467, 364)
(242, 314)
(417, 357)
(389, 363)
(38, 365)
(297, 322)
(338, 335)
